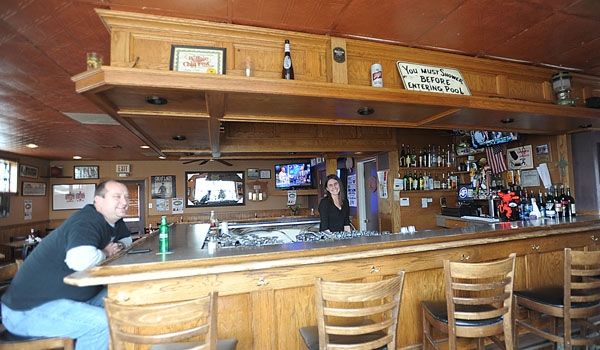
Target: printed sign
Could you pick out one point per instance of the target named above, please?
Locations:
(520, 158)
(422, 77)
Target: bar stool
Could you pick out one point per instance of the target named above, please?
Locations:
(9, 341)
(575, 302)
(152, 324)
(355, 315)
(478, 304)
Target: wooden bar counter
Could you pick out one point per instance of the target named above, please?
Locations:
(266, 293)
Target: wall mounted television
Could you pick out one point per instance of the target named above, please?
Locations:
(293, 176)
(480, 138)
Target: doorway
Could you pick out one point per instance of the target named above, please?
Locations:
(136, 212)
(368, 195)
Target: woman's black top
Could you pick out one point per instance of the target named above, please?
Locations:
(332, 218)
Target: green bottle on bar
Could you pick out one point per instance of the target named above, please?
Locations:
(163, 236)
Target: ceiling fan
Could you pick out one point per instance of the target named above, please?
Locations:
(204, 161)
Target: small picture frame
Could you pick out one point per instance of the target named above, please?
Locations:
(33, 188)
(199, 59)
(252, 174)
(85, 172)
(29, 171)
(265, 174)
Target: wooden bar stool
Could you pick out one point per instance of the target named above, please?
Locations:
(9, 341)
(478, 304)
(153, 324)
(355, 315)
(575, 302)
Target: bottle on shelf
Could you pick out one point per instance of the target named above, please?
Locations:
(430, 179)
(163, 236)
(541, 204)
(405, 180)
(415, 185)
(413, 158)
(566, 207)
(444, 184)
(433, 157)
(549, 202)
(288, 69)
(558, 203)
(421, 181)
(573, 211)
(401, 163)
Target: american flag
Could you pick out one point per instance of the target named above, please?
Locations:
(495, 157)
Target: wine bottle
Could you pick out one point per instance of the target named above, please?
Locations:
(549, 201)
(541, 204)
(402, 157)
(571, 202)
(405, 180)
(558, 203)
(288, 69)
(410, 181)
(566, 207)
(421, 182)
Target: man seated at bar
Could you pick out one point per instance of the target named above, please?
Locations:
(334, 208)
(39, 303)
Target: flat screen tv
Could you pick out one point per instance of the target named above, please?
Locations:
(293, 175)
(481, 138)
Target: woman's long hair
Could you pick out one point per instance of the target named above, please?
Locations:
(342, 195)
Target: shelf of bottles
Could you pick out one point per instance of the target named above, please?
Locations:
(555, 203)
(427, 168)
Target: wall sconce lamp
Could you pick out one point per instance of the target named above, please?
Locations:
(561, 84)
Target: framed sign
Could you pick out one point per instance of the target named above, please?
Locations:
(252, 174)
(163, 186)
(29, 171)
(72, 196)
(265, 174)
(519, 158)
(214, 188)
(84, 172)
(33, 189)
(198, 59)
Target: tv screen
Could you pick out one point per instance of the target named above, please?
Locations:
(293, 175)
(488, 138)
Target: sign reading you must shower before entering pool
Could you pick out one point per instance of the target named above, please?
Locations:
(422, 77)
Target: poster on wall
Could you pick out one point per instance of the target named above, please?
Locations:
(163, 186)
(352, 199)
(72, 196)
(520, 158)
(28, 209)
(382, 177)
(162, 205)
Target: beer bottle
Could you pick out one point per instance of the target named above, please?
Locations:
(288, 69)
(163, 236)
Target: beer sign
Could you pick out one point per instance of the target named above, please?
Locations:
(422, 77)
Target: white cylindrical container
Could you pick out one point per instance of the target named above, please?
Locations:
(376, 75)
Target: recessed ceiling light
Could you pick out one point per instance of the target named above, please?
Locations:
(162, 157)
(144, 146)
(179, 137)
(507, 120)
(365, 111)
(77, 157)
(156, 100)
(31, 145)
(585, 126)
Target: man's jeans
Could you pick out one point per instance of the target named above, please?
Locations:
(86, 322)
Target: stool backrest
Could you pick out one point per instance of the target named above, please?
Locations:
(582, 280)
(163, 323)
(366, 310)
(479, 291)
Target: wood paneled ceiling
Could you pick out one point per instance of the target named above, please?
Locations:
(43, 44)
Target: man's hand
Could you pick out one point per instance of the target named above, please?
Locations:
(112, 249)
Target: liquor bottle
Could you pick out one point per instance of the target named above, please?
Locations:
(163, 236)
(436, 183)
(430, 179)
(571, 202)
(410, 181)
(405, 180)
(433, 157)
(288, 69)
(541, 204)
(421, 182)
(429, 156)
(415, 181)
(420, 165)
(444, 183)
(413, 158)
(566, 207)
(558, 203)
(402, 157)
(549, 201)
(448, 163)
(407, 157)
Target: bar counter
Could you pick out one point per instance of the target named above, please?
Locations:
(261, 286)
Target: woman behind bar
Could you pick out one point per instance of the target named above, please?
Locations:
(334, 209)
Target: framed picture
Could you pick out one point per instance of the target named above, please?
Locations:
(265, 174)
(214, 188)
(33, 188)
(252, 174)
(29, 171)
(72, 196)
(84, 172)
(198, 59)
(162, 186)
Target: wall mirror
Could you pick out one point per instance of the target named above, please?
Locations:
(214, 188)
